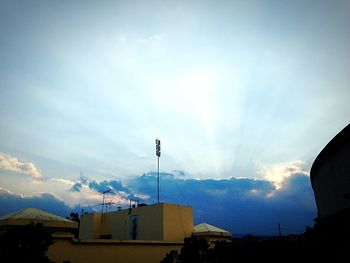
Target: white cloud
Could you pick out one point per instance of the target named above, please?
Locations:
(279, 172)
(142, 156)
(5, 191)
(64, 181)
(10, 163)
(142, 196)
(127, 41)
(149, 40)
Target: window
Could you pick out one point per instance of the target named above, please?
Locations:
(134, 227)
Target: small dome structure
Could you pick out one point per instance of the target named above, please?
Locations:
(29, 215)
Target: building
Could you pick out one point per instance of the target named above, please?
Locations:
(330, 180)
(136, 234)
(161, 222)
(58, 226)
(330, 176)
(142, 233)
(211, 233)
(110, 250)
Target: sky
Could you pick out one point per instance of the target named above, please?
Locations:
(242, 94)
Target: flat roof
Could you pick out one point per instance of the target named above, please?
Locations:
(141, 207)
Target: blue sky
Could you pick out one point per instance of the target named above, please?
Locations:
(250, 90)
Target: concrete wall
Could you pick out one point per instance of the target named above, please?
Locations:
(154, 222)
(178, 222)
(116, 224)
(90, 226)
(331, 181)
(108, 251)
(150, 223)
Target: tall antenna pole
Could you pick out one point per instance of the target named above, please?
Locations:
(158, 179)
(158, 155)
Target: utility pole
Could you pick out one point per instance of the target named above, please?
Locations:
(158, 155)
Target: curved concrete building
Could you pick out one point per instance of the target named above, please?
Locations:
(330, 175)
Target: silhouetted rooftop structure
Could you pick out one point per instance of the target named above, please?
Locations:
(330, 175)
(32, 215)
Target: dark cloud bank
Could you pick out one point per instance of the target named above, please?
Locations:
(12, 202)
(238, 205)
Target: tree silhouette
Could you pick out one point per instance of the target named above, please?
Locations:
(74, 217)
(170, 257)
(193, 251)
(25, 244)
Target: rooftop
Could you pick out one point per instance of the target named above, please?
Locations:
(207, 229)
(31, 213)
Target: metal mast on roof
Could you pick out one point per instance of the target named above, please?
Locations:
(158, 155)
(103, 198)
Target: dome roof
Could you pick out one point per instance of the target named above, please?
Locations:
(206, 229)
(339, 140)
(30, 214)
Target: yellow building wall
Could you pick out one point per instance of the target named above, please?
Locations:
(151, 222)
(178, 222)
(116, 225)
(90, 226)
(106, 251)
(150, 225)
(163, 221)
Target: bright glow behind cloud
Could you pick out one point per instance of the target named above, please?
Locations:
(197, 90)
(222, 85)
(278, 173)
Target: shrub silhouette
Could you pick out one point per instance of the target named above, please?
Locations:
(25, 244)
